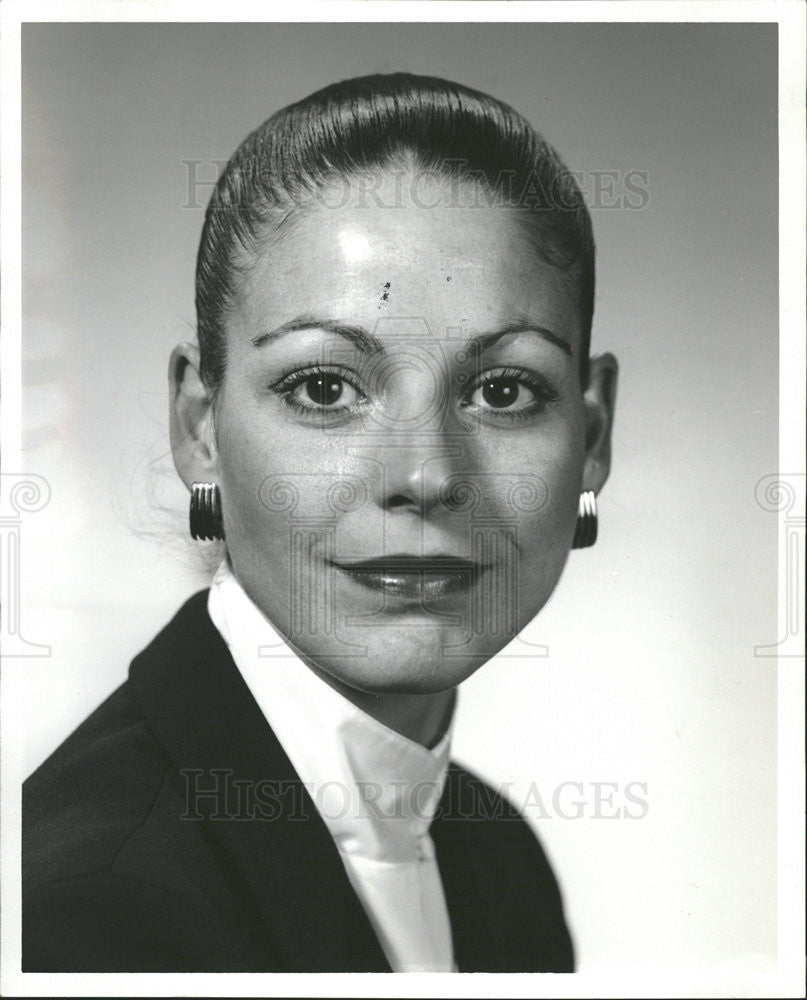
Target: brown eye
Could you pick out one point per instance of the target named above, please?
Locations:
(500, 392)
(513, 393)
(504, 393)
(319, 390)
(324, 390)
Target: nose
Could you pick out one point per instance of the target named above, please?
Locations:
(416, 446)
(414, 472)
(415, 455)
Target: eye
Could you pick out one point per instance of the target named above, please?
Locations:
(318, 390)
(510, 392)
(326, 389)
(500, 392)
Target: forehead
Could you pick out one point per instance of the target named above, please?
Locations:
(394, 245)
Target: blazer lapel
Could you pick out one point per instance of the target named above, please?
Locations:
(201, 710)
(474, 928)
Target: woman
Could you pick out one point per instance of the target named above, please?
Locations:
(392, 420)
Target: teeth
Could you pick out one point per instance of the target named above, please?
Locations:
(413, 585)
(410, 565)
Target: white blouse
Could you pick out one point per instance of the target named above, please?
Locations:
(376, 790)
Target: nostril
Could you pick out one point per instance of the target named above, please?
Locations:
(414, 477)
(400, 500)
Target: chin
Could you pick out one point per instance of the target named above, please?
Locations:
(405, 679)
(397, 660)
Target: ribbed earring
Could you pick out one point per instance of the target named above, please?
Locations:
(205, 515)
(585, 532)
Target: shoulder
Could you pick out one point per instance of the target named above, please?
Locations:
(99, 890)
(494, 865)
(490, 822)
(101, 781)
(80, 805)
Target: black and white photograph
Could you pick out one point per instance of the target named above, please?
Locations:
(403, 499)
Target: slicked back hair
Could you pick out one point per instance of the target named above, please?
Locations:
(350, 129)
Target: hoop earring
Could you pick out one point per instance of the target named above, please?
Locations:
(205, 514)
(585, 532)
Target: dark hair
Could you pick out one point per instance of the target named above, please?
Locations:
(349, 128)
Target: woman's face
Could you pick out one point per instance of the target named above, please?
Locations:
(399, 435)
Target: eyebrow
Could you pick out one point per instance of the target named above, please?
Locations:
(365, 341)
(357, 335)
(486, 340)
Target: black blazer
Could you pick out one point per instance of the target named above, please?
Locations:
(129, 867)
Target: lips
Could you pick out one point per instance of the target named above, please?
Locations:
(414, 578)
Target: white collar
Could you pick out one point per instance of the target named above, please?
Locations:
(376, 790)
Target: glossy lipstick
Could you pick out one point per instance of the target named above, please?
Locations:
(413, 578)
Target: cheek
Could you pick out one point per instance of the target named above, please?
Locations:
(276, 482)
(538, 484)
(254, 475)
(537, 471)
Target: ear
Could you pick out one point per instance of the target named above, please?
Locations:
(599, 400)
(193, 439)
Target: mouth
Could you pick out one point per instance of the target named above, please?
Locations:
(414, 578)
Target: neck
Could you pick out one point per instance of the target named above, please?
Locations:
(422, 718)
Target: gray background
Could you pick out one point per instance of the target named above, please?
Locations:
(649, 673)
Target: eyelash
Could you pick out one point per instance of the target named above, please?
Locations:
(541, 388)
(286, 386)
